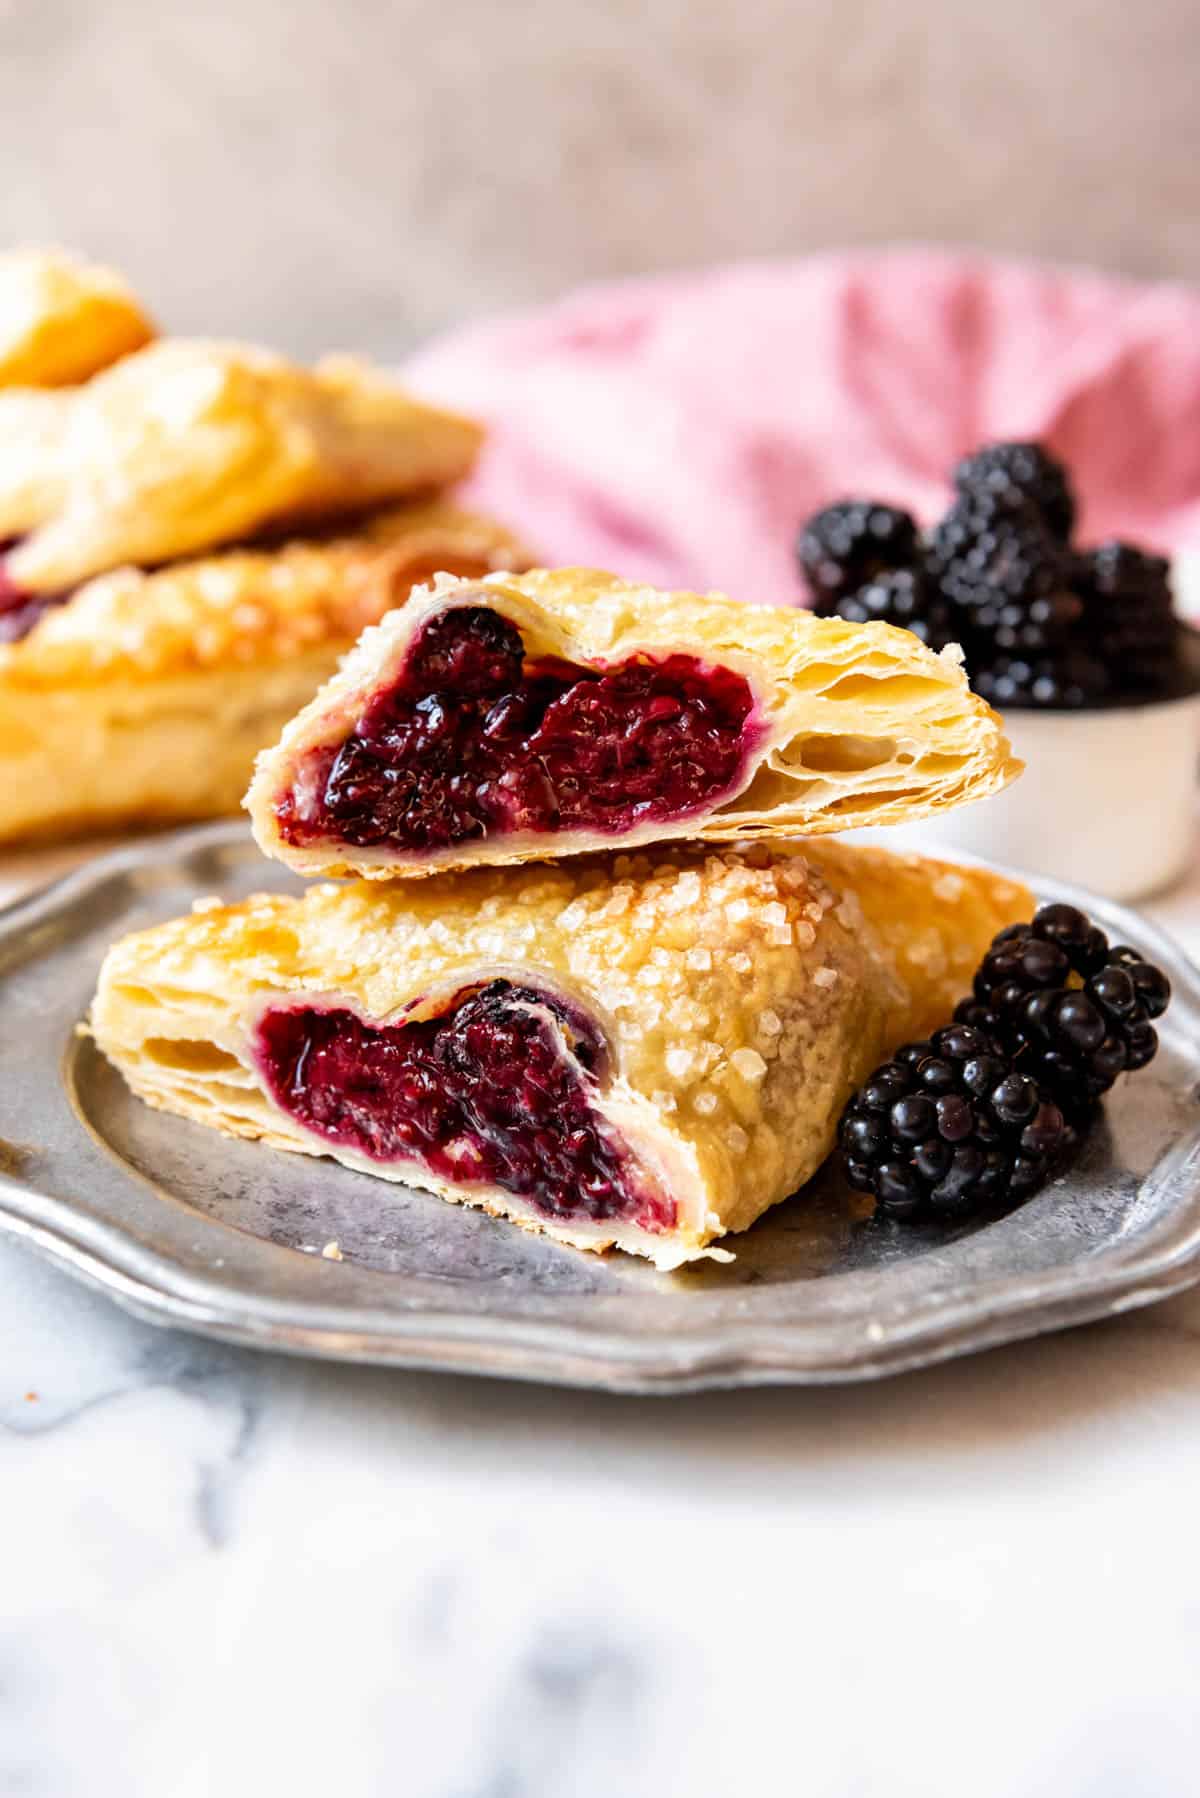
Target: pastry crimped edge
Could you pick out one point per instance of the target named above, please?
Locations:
(743, 996)
(144, 698)
(63, 319)
(190, 444)
(818, 681)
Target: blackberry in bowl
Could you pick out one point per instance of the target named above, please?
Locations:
(1079, 646)
(843, 547)
(1027, 471)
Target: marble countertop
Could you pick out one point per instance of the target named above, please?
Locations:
(230, 1572)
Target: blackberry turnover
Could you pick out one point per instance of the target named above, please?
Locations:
(562, 711)
(192, 539)
(62, 319)
(633, 1049)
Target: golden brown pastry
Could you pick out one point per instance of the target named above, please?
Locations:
(145, 697)
(512, 719)
(62, 319)
(33, 428)
(641, 1051)
(188, 445)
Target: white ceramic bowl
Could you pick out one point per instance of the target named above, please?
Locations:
(1107, 800)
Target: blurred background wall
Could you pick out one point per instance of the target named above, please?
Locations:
(357, 171)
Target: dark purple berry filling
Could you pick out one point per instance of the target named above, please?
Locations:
(20, 611)
(483, 1094)
(474, 740)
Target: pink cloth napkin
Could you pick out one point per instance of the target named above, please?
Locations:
(678, 430)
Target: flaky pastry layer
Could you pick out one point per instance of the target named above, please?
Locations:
(856, 724)
(146, 697)
(742, 996)
(189, 445)
(62, 320)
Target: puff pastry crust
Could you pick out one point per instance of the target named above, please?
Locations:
(62, 319)
(188, 445)
(851, 724)
(145, 697)
(739, 996)
(33, 429)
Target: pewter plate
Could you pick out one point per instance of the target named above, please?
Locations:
(183, 1227)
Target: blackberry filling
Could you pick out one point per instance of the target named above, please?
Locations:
(474, 739)
(484, 1094)
(20, 611)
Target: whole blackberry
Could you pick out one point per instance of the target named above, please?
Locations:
(1072, 1011)
(992, 556)
(947, 1127)
(843, 547)
(1029, 472)
(905, 597)
(1071, 679)
(1129, 618)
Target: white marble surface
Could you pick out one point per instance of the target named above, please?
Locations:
(224, 1572)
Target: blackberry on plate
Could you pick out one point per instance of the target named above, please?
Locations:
(905, 597)
(848, 544)
(947, 1127)
(1070, 1009)
(1027, 471)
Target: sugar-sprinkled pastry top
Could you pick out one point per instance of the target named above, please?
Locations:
(564, 710)
(188, 445)
(245, 606)
(63, 319)
(646, 1049)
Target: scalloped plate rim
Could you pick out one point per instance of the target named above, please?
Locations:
(158, 1288)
